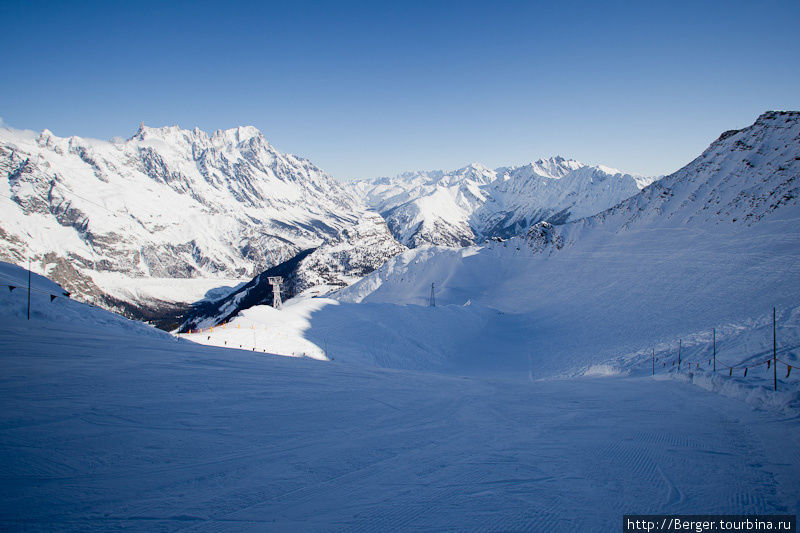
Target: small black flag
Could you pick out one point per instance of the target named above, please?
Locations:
(53, 297)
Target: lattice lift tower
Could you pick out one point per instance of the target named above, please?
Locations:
(276, 281)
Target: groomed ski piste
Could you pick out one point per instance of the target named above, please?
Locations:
(388, 417)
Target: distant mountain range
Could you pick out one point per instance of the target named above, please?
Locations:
(128, 224)
(450, 209)
(170, 217)
(474, 203)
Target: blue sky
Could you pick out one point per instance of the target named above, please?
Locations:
(370, 88)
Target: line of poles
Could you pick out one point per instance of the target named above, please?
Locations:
(772, 361)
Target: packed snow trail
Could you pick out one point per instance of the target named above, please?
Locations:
(108, 428)
(477, 341)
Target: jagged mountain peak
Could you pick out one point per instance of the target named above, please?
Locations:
(164, 133)
(474, 202)
(167, 203)
(775, 117)
(768, 119)
(555, 167)
(552, 167)
(474, 172)
(178, 136)
(240, 156)
(238, 135)
(474, 167)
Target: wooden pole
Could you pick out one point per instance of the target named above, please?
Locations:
(774, 353)
(715, 349)
(679, 354)
(29, 288)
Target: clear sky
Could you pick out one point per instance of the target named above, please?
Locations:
(376, 88)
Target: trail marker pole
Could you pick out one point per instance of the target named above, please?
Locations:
(714, 333)
(654, 361)
(679, 354)
(774, 354)
(29, 289)
(432, 302)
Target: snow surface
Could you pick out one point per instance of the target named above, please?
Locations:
(108, 424)
(129, 289)
(473, 340)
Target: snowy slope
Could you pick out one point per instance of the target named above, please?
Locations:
(468, 205)
(715, 243)
(105, 218)
(333, 265)
(62, 311)
(744, 177)
(108, 424)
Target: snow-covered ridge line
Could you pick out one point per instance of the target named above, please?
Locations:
(165, 203)
(742, 177)
(473, 203)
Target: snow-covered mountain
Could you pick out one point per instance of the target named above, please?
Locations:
(168, 214)
(333, 265)
(715, 243)
(473, 203)
(744, 177)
